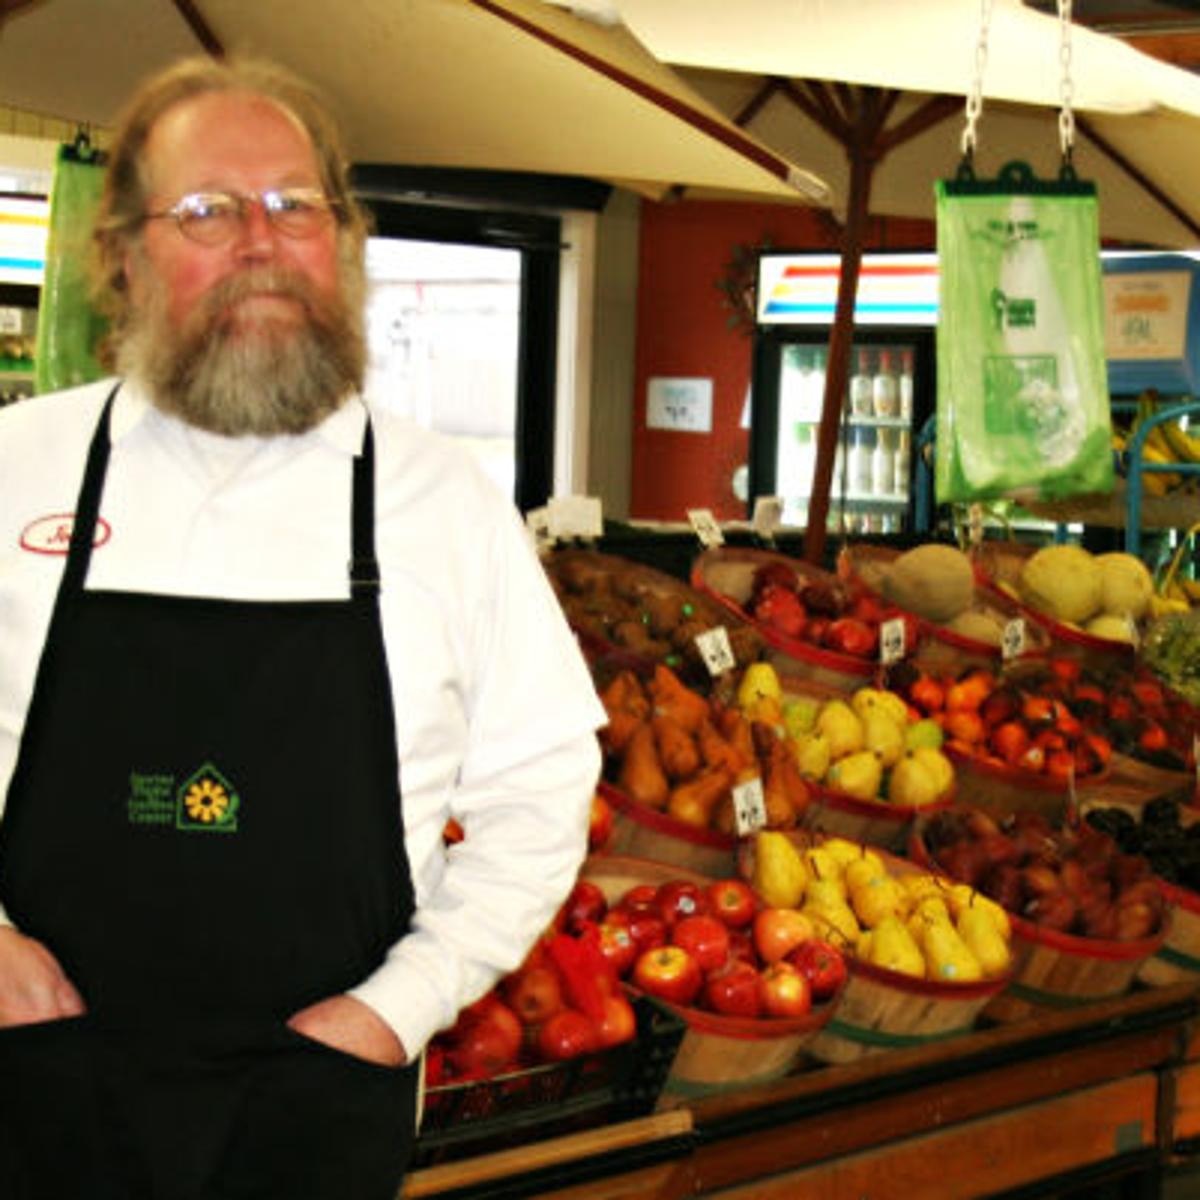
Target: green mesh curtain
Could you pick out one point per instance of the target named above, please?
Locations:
(69, 329)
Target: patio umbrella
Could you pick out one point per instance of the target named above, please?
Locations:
(871, 94)
(499, 84)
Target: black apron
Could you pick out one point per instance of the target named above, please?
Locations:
(204, 827)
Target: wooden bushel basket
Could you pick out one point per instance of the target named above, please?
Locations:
(726, 574)
(874, 822)
(887, 1010)
(1177, 960)
(717, 1051)
(646, 833)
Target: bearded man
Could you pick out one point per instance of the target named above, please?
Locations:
(239, 606)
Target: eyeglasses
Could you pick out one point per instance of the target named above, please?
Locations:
(213, 218)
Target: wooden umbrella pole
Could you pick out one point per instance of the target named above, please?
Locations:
(837, 368)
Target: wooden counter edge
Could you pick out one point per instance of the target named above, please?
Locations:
(552, 1152)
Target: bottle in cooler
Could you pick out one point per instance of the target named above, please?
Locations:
(862, 454)
(885, 388)
(861, 392)
(883, 463)
(905, 384)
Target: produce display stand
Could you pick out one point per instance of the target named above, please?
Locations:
(1102, 1093)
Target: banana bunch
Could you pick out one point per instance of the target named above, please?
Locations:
(1166, 442)
(1175, 592)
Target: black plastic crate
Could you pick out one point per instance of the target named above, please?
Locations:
(465, 1119)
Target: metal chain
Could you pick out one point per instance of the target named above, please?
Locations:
(975, 96)
(1066, 116)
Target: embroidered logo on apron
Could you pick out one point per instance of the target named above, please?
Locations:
(205, 800)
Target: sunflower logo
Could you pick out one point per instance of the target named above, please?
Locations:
(207, 801)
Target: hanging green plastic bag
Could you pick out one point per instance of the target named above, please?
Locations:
(69, 328)
(1022, 388)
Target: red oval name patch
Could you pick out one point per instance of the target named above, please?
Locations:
(52, 534)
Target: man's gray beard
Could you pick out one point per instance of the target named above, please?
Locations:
(260, 378)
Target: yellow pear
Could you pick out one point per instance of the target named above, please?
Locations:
(893, 947)
(949, 958)
(961, 897)
(822, 864)
(941, 767)
(835, 922)
(877, 898)
(759, 682)
(813, 754)
(919, 884)
(862, 870)
(780, 876)
(845, 851)
(869, 699)
(883, 737)
(825, 889)
(912, 783)
(842, 726)
(859, 775)
(977, 930)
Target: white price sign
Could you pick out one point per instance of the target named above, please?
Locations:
(749, 807)
(706, 527)
(537, 525)
(576, 517)
(1012, 640)
(892, 638)
(768, 515)
(716, 650)
(684, 405)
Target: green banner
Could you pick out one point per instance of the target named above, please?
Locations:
(69, 328)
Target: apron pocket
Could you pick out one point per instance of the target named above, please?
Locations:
(314, 1123)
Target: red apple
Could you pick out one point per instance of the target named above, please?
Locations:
(822, 964)
(640, 898)
(704, 937)
(489, 1007)
(680, 898)
(741, 946)
(585, 902)
(784, 991)
(732, 989)
(566, 1034)
(600, 822)
(668, 972)
(647, 929)
(534, 994)
(616, 943)
(779, 930)
(732, 901)
(481, 1049)
(618, 1024)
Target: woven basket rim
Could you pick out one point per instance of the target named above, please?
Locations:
(662, 822)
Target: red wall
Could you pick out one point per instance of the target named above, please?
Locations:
(683, 330)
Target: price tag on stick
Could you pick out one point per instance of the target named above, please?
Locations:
(893, 639)
(706, 527)
(716, 650)
(1012, 640)
(749, 807)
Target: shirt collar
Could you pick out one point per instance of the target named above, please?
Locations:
(343, 429)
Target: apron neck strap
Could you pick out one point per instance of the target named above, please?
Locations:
(364, 569)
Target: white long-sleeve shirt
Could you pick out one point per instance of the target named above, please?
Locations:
(495, 710)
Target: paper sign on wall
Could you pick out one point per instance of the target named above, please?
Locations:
(684, 405)
(1146, 314)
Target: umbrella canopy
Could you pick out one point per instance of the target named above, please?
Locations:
(499, 84)
(872, 95)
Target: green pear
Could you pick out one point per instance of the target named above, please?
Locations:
(925, 732)
(800, 714)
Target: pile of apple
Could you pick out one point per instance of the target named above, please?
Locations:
(826, 613)
(564, 1001)
(1032, 720)
(1071, 880)
(712, 946)
(905, 920)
